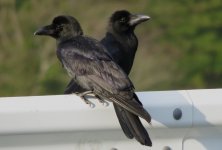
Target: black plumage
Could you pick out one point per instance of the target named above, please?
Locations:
(120, 39)
(122, 43)
(93, 69)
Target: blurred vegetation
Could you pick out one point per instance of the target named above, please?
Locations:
(179, 48)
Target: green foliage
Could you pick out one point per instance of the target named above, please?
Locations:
(180, 47)
(197, 33)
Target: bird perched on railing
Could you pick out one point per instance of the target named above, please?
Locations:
(121, 43)
(89, 64)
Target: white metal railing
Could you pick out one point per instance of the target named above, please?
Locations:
(65, 122)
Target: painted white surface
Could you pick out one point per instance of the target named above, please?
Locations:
(206, 132)
(65, 122)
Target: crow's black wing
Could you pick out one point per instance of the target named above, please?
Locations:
(87, 57)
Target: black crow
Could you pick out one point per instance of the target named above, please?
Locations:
(93, 69)
(122, 43)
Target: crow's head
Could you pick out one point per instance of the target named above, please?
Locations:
(124, 21)
(61, 27)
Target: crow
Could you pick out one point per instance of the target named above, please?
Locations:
(90, 66)
(122, 43)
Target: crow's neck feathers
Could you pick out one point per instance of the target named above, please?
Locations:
(127, 39)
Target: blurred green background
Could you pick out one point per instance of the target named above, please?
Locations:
(179, 48)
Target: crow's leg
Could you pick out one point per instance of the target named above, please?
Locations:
(82, 96)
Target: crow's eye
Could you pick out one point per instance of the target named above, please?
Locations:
(122, 20)
(59, 28)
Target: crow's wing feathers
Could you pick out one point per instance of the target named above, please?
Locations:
(131, 105)
(92, 62)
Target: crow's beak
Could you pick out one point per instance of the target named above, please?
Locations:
(136, 19)
(46, 30)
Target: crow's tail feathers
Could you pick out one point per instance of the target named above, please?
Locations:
(122, 117)
(132, 126)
